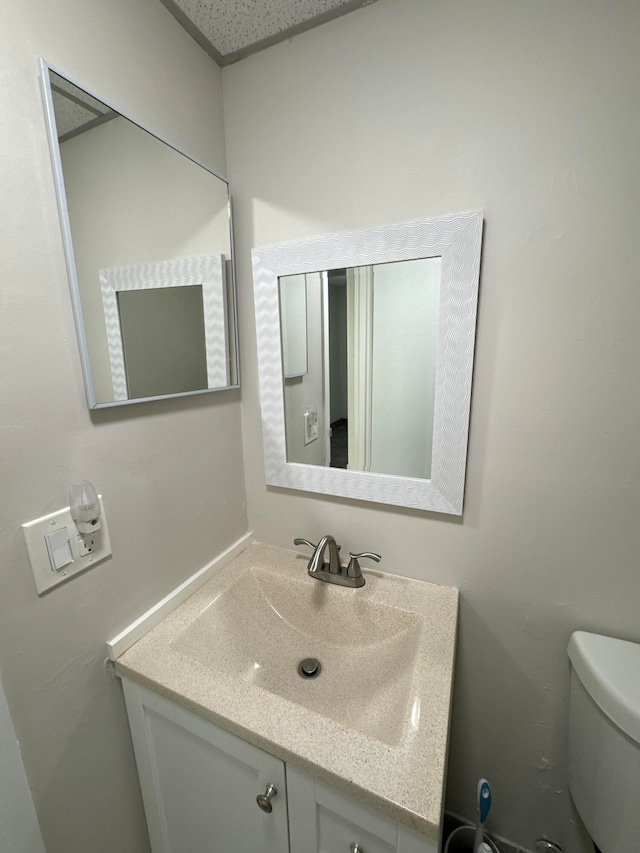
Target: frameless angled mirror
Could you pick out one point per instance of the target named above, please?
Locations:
(382, 411)
(148, 244)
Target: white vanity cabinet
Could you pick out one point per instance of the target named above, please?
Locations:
(200, 783)
(324, 820)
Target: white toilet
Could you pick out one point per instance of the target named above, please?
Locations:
(604, 739)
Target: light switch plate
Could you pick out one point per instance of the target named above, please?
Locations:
(310, 424)
(84, 557)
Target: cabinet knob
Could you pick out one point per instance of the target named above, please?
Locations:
(264, 800)
(355, 848)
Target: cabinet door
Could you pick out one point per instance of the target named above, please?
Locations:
(199, 783)
(323, 820)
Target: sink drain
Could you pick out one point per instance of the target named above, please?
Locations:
(309, 668)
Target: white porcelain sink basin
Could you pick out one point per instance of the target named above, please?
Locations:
(367, 650)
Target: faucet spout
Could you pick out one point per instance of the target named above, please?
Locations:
(317, 562)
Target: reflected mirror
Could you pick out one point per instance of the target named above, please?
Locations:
(382, 411)
(148, 242)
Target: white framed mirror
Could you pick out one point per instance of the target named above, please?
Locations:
(162, 340)
(391, 333)
(148, 244)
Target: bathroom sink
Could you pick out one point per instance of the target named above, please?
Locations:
(373, 723)
(366, 650)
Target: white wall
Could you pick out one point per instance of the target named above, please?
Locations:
(532, 112)
(171, 473)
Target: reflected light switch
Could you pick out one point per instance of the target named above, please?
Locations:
(59, 549)
(310, 424)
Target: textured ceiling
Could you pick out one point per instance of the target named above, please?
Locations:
(231, 29)
(75, 109)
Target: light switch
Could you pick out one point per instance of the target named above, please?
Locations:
(57, 552)
(59, 548)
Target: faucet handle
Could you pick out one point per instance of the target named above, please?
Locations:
(313, 547)
(353, 569)
(305, 542)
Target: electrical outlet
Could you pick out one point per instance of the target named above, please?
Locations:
(88, 543)
(57, 551)
(310, 424)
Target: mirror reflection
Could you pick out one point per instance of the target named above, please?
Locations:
(148, 244)
(366, 401)
(293, 324)
(150, 318)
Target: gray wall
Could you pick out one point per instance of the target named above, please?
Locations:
(171, 473)
(338, 374)
(308, 390)
(532, 112)
(19, 830)
(406, 298)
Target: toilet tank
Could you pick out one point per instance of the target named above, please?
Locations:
(604, 739)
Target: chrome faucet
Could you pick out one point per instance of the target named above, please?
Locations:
(332, 571)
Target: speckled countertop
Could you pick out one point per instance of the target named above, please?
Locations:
(373, 724)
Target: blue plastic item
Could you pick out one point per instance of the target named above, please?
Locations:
(484, 804)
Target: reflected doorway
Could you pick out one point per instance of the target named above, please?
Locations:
(337, 370)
